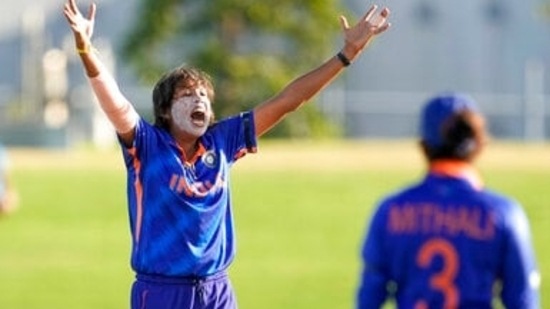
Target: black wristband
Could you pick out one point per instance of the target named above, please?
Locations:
(345, 61)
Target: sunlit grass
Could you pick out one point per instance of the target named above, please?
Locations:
(300, 209)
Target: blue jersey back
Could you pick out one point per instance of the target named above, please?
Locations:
(180, 211)
(443, 244)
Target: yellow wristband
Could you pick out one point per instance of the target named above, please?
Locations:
(87, 49)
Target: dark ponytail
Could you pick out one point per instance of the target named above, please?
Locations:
(462, 137)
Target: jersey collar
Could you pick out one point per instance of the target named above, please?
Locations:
(201, 149)
(457, 169)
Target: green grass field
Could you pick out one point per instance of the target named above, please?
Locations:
(301, 210)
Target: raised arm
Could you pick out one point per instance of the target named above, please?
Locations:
(302, 89)
(118, 109)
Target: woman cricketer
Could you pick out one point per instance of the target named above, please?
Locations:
(178, 187)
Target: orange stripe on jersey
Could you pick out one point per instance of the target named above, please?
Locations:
(243, 151)
(459, 169)
(200, 151)
(139, 194)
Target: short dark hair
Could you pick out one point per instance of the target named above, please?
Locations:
(180, 77)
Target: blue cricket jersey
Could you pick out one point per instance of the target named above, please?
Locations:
(443, 243)
(180, 212)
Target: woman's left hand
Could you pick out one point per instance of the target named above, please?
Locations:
(359, 35)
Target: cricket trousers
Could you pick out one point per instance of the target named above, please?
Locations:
(159, 292)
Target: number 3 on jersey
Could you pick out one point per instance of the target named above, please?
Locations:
(442, 281)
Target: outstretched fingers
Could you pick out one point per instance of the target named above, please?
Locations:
(381, 21)
(71, 12)
(69, 15)
(358, 35)
(72, 7)
(82, 26)
(382, 28)
(344, 22)
(385, 12)
(91, 12)
(370, 12)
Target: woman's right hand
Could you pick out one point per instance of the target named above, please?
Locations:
(82, 27)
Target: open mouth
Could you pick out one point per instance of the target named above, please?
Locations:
(198, 118)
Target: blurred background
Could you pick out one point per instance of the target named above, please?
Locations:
(496, 50)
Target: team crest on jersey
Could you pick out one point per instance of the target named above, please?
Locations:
(209, 159)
